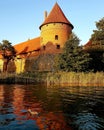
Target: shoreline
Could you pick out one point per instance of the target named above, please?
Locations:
(55, 79)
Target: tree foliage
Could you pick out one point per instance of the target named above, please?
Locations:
(8, 52)
(97, 47)
(73, 58)
(97, 37)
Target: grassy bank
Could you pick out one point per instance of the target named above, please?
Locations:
(73, 79)
(23, 78)
(59, 78)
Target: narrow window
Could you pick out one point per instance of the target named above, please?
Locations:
(56, 37)
(58, 46)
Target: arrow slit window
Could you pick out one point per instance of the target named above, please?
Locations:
(56, 37)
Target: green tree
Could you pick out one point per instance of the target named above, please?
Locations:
(73, 58)
(96, 49)
(97, 37)
(8, 52)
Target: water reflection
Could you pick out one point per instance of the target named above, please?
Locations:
(88, 121)
(1, 94)
(18, 97)
(30, 108)
(54, 108)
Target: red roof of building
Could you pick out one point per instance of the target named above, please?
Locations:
(89, 43)
(28, 46)
(56, 16)
(0, 54)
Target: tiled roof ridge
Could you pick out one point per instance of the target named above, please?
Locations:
(26, 41)
(56, 16)
(27, 46)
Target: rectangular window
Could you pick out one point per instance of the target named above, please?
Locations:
(58, 46)
(56, 37)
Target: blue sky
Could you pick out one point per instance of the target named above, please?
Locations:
(20, 19)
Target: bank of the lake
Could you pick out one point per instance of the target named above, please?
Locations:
(57, 78)
(79, 79)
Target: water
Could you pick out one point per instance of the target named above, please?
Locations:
(35, 107)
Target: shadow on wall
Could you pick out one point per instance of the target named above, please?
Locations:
(11, 68)
(43, 62)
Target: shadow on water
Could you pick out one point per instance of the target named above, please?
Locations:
(35, 107)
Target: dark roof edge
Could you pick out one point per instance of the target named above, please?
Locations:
(57, 22)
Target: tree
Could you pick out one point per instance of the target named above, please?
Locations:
(8, 52)
(96, 49)
(97, 37)
(73, 58)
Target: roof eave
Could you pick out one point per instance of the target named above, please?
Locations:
(56, 22)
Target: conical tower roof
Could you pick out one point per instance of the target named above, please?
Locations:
(56, 16)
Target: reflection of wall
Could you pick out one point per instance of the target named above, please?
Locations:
(18, 96)
(1, 94)
(8, 98)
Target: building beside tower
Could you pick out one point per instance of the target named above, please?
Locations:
(39, 52)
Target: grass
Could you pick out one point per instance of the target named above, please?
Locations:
(58, 78)
(72, 78)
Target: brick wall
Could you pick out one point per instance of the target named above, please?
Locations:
(49, 31)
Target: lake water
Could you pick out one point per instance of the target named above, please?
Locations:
(35, 107)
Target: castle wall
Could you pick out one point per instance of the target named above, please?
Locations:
(20, 63)
(57, 33)
(1, 65)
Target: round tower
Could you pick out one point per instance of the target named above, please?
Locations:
(56, 28)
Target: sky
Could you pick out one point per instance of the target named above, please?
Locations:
(20, 19)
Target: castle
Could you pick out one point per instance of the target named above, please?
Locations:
(39, 52)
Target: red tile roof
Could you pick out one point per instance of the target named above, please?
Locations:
(28, 46)
(0, 54)
(56, 16)
(89, 43)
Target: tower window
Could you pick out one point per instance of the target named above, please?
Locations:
(56, 37)
(58, 46)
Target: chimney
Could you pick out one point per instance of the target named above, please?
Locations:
(45, 15)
